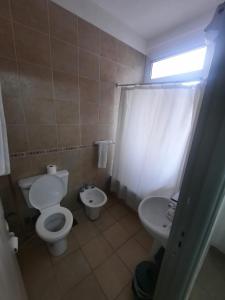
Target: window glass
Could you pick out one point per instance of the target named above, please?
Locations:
(183, 63)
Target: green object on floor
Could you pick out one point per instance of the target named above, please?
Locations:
(144, 280)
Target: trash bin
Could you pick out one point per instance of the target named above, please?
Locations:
(145, 277)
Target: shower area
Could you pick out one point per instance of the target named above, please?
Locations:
(156, 127)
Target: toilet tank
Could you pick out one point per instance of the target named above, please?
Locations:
(26, 183)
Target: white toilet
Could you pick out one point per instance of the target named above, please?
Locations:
(45, 193)
(93, 199)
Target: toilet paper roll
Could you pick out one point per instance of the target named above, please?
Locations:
(51, 169)
(13, 241)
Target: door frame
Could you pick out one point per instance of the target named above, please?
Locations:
(203, 185)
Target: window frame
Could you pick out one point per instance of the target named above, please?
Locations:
(183, 77)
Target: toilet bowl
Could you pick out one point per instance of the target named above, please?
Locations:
(55, 222)
(93, 200)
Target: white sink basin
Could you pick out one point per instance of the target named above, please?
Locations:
(152, 212)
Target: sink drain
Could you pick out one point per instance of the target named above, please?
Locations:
(164, 225)
(90, 201)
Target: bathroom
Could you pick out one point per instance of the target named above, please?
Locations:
(68, 71)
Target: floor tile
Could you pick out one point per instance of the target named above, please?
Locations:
(126, 294)
(118, 211)
(210, 278)
(105, 221)
(112, 200)
(210, 283)
(116, 235)
(87, 289)
(97, 250)
(80, 216)
(131, 223)
(201, 294)
(37, 269)
(132, 253)
(70, 270)
(50, 290)
(144, 239)
(113, 276)
(85, 231)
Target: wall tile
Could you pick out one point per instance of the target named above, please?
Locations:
(31, 13)
(102, 180)
(75, 182)
(70, 160)
(67, 112)
(122, 53)
(64, 57)
(13, 108)
(108, 70)
(39, 111)
(39, 162)
(89, 134)
(35, 81)
(88, 65)
(88, 157)
(17, 138)
(124, 74)
(108, 46)
(89, 90)
(139, 62)
(69, 135)
(88, 36)
(88, 112)
(107, 94)
(9, 78)
(106, 114)
(106, 132)
(4, 9)
(131, 57)
(6, 39)
(42, 137)
(65, 86)
(32, 46)
(20, 167)
(45, 104)
(63, 24)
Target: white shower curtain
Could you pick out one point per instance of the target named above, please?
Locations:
(4, 153)
(153, 134)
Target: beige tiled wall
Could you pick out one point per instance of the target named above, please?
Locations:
(57, 74)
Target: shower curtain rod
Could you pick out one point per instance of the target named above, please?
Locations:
(157, 83)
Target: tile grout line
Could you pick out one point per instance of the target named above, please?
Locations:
(52, 79)
(92, 270)
(18, 72)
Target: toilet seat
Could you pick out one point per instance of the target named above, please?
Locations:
(52, 236)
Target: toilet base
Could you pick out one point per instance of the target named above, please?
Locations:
(57, 248)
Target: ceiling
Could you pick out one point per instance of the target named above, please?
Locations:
(142, 21)
(151, 18)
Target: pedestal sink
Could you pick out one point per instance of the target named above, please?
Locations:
(152, 212)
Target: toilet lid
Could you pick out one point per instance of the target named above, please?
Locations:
(46, 191)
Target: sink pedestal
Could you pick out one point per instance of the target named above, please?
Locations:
(155, 248)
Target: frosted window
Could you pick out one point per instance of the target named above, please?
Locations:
(184, 63)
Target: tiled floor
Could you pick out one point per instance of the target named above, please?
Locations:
(210, 284)
(98, 264)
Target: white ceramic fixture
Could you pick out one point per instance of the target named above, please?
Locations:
(45, 193)
(93, 200)
(152, 212)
